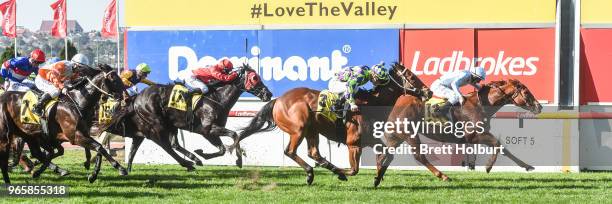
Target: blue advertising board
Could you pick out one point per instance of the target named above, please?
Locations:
(284, 59)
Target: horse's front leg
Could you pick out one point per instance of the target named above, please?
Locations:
(353, 141)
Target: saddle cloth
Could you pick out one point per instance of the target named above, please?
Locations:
(178, 100)
(28, 101)
(325, 103)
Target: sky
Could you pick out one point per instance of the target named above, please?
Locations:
(30, 13)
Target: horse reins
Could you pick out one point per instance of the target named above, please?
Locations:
(98, 88)
(403, 86)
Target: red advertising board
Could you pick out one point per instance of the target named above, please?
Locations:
(595, 65)
(523, 54)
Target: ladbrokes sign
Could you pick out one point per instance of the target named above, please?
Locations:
(524, 54)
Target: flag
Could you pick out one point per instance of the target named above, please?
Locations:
(109, 22)
(8, 18)
(59, 28)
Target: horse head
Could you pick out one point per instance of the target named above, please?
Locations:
(107, 82)
(249, 81)
(514, 92)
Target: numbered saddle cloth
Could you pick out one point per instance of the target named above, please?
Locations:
(106, 110)
(179, 97)
(28, 101)
(325, 103)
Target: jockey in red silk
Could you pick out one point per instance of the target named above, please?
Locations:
(16, 71)
(199, 78)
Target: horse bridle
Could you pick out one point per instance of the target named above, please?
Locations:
(404, 80)
(98, 88)
(518, 91)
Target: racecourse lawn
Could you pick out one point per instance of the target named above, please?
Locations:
(171, 183)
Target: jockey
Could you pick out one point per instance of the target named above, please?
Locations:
(448, 86)
(348, 80)
(16, 71)
(198, 79)
(132, 77)
(52, 79)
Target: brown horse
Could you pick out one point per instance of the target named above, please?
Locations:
(478, 107)
(68, 121)
(294, 112)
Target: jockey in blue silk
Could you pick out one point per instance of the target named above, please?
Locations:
(449, 84)
(15, 71)
(348, 80)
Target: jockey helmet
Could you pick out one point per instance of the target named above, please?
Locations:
(143, 67)
(38, 55)
(80, 59)
(380, 72)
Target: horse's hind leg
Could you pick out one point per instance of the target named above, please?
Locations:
(4, 156)
(384, 160)
(17, 146)
(312, 139)
(92, 144)
(488, 139)
(176, 146)
(164, 143)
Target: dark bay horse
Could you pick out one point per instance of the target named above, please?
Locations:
(68, 121)
(150, 118)
(294, 113)
(478, 106)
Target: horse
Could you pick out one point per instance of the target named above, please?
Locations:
(478, 106)
(295, 113)
(68, 121)
(151, 119)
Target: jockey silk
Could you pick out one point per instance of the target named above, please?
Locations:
(17, 69)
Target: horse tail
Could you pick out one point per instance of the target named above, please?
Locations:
(263, 117)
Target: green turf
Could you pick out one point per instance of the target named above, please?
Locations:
(171, 183)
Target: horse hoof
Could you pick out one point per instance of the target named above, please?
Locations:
(92, 178)
(309, 179)
(199, 152)
(489, 169)
(530, 168)
(239, 163)
(199, 163)
(376, 182)
(446, 178)
(86, 165)
(36, 174)
(64, 173)
(123, 172)
(342, 177)
(190, 168)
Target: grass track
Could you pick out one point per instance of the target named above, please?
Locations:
(171, 183)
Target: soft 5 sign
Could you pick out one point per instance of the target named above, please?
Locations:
(285, 59)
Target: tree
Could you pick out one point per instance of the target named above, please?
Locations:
(9, 52)
(71, 51)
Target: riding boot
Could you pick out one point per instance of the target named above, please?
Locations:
(38, 109)
(442, 109)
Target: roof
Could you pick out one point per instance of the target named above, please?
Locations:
(73, 26)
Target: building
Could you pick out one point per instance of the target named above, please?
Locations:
(73, 27)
